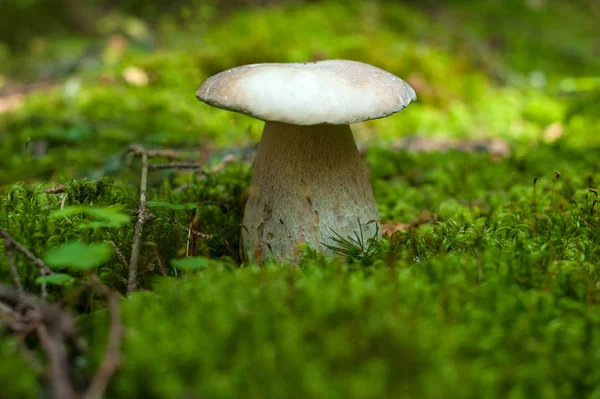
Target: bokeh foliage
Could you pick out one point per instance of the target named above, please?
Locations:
(466, 87)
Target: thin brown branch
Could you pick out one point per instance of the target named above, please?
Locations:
(34, 310)
(159, 260)
(62, 206)
(9, 317)
(193, 251)
(44, 269)
(181, 188)
(204, 236)
(112, 354)
(63, 201)
(10, 297)
(141, 150)
(229, 158)
(22, 324)
(189, 240)
(55, 329)
(16, 245)
(13, 267)
(177, 165)
(52, 325)
(226, 250)
(142, 216)
(52, 344)
(119, 254)
(56, 190)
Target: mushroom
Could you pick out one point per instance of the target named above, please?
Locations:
(308, 182)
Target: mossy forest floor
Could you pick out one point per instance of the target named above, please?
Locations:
(485, 285)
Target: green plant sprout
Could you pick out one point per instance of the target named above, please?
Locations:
(356, 249)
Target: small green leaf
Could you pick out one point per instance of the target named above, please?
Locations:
(190, 263)
(109, 217)
(94, 225)
(79, 256)
(68, 211)
(58, 279)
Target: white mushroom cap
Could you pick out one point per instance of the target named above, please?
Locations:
(334, 92)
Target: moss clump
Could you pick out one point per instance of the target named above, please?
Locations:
(497, 298)
(75, 129)
(34, 219)
(426, 329)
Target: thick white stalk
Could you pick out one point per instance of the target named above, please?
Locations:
(308, 182)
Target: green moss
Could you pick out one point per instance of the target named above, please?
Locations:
(496, 299)
(424, 330)
(70, 131)
(29, 215)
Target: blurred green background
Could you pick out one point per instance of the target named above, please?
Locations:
(80, 80)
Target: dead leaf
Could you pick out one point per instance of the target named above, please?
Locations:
(391, 228)
(136, 76)
(553, 132)
(11, 102)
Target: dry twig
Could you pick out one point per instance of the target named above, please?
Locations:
(140, 150)
(177, 165)
(13, 267)
(119, 254)
(44, 270)
(55, 328)
(161, 264)
(52, 344)
(56, 190)
(112, 355)
(193, 243)
(204, 236)
(143, 215)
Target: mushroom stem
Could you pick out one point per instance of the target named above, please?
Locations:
(308, 183)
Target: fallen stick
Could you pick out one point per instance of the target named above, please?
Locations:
(142, 216)
(112, 355)
(176, 165)
(44, 269)
(56, 190)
